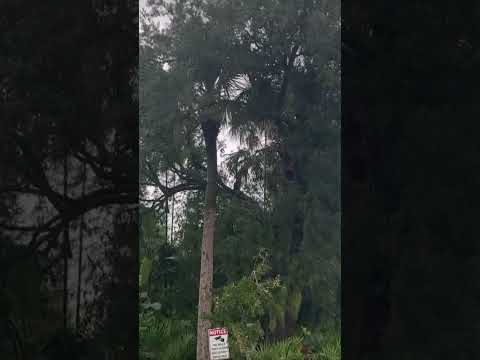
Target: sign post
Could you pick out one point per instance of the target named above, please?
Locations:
(218, 344)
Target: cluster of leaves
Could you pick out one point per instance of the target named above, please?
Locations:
(24, 304)
(272, 68)
(30, 321)
(68, 155)
(288, 349)
(324, 342)
(168, 271)
(242, 304)
(162, 338)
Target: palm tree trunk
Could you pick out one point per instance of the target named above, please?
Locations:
(210, 133)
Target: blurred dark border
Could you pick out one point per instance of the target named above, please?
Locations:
(410, 156)
(68, 179)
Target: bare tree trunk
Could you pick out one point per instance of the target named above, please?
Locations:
(210, 133)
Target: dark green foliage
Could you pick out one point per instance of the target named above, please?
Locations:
(162, 338)
(27, 322)
(323, 342)
(66, 88)
(277, 64)
(288, 349)
(243, 304)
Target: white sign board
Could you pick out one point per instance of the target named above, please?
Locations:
(218, 343)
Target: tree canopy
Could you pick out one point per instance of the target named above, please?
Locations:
(268, 72)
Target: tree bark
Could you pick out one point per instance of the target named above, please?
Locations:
(210, 132)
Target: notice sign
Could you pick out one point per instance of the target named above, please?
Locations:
(218, 341)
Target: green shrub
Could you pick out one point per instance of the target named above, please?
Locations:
(241, 305)
(288, 349)
(165, 339)
(324, 342)
(331, 350)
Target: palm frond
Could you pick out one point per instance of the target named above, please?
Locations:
(166, 339)
(288, 349)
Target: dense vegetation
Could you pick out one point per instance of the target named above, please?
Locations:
(68, 180)
(264, 74)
